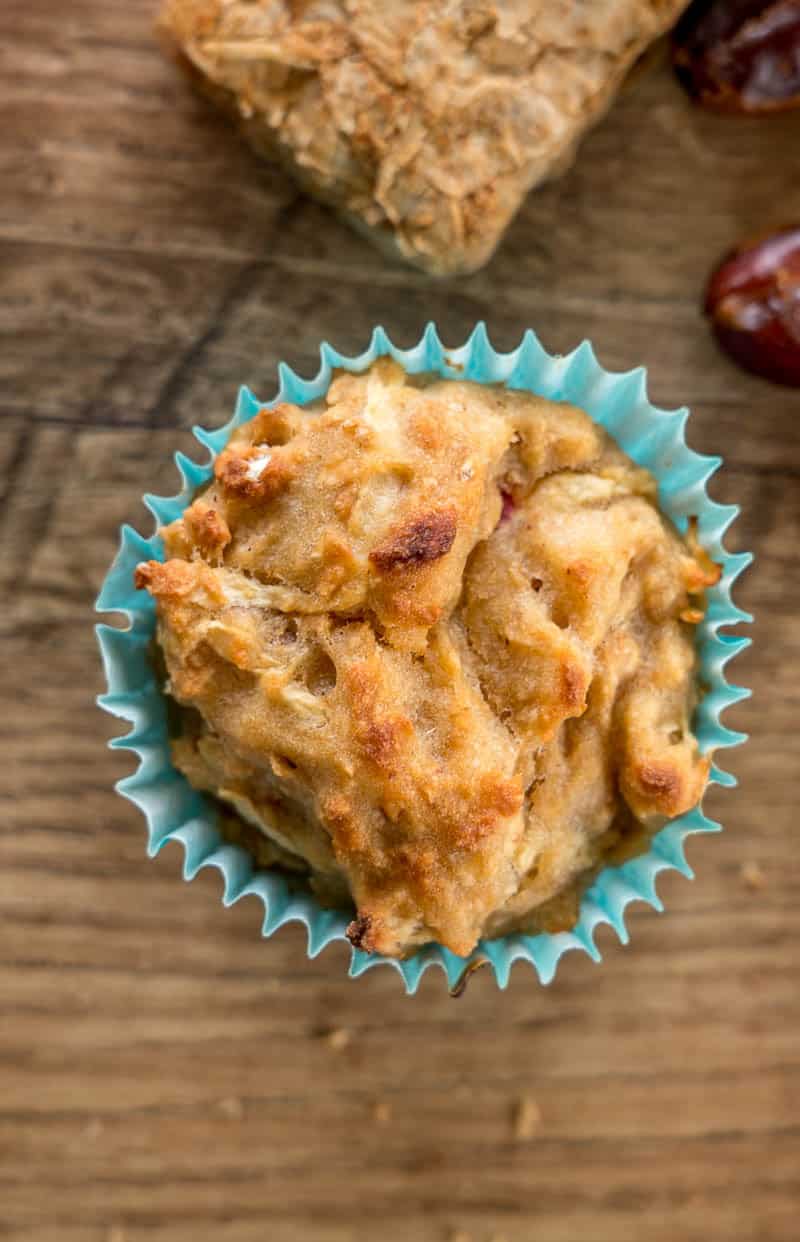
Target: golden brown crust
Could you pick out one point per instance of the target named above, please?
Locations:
(700, 570)
(275, 425)
(253, 474)
(450, 708)
(417, 542)
(207, 530)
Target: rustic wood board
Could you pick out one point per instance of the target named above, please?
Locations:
(164, 1073)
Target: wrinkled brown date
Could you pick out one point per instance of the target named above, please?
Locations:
(740, 55)
(753, 301)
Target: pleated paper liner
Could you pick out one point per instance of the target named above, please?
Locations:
(175, 812)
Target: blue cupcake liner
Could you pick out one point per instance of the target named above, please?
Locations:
(175, 812)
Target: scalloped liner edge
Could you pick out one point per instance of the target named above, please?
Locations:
(175, 812)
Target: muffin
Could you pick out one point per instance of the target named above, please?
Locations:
(435, 640)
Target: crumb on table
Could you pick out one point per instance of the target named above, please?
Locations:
(337, 1038)
(753, 876)
(382, 1112)
(231, 1106)
(527, 1118)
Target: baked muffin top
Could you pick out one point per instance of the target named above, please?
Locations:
(438, 639)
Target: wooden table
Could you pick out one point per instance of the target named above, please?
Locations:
(166, 1075)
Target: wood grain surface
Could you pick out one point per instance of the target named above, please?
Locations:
(166, 1075)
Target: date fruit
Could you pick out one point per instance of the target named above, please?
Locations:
(753, 301)
(740, 55)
